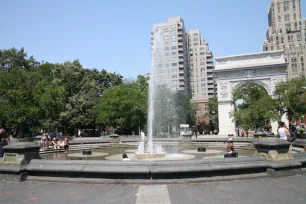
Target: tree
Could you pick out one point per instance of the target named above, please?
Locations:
(184, 109)
(141, 84)
(49, 96)
(213, 113)
(121, 107)
(17, 107)
(13, 58)
(291, 98)
(170, 110)
(256, 109)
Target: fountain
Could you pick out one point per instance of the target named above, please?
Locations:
(147, 150)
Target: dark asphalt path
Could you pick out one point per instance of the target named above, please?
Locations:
(265, 190)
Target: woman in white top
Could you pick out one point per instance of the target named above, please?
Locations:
(283, 131)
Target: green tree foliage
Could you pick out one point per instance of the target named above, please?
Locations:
(170, 110)
(18, 109)
(257, 107)
(141, 84)
(56, 97)
(291, 98)
(122, 107)
(213, 113)
(183, 109)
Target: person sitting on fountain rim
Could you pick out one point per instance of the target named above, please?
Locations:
(125, 157)
(303, 149)
(283, 132)
(230, 147)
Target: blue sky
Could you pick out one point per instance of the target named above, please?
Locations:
(115, 35)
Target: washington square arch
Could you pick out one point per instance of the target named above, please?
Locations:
(264, 68)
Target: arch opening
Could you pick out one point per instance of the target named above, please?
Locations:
(253, 108)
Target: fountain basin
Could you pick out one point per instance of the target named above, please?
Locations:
(84, 156)
(149, 155)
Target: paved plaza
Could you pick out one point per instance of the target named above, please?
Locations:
(264, 190)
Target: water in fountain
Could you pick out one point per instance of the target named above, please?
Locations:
(161, 109)
(157, 55)
(146, 146)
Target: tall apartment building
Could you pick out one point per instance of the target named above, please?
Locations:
(201, 67)
(287, 31)
(186, 62)
(201, 72)
(172, 62)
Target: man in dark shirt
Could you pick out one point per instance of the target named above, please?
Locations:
(3, 141)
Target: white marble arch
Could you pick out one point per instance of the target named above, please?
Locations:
(264, 68)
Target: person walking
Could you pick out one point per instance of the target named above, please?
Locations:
(66, 146)
(44, 141)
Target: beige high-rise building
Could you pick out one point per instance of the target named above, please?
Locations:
(287, 31)
(201, 67)
(171, 62)
(185, 63)
(201, 72)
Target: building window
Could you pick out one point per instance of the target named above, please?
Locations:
(166, 48)
(167, 54)
(195, 39)
(294, 16)
(174, 76)
(173, 48)
(195, 44)
(294, 68)
(166, 65)
(173, 53)
(173, 43)
(302, 66)
(295, 26)
(293, 5)
(174, 64)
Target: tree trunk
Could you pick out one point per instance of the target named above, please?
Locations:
(20, 130)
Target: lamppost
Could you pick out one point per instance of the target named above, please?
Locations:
(139, 127)
(168, 104)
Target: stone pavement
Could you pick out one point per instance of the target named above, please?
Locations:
(265, 190)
